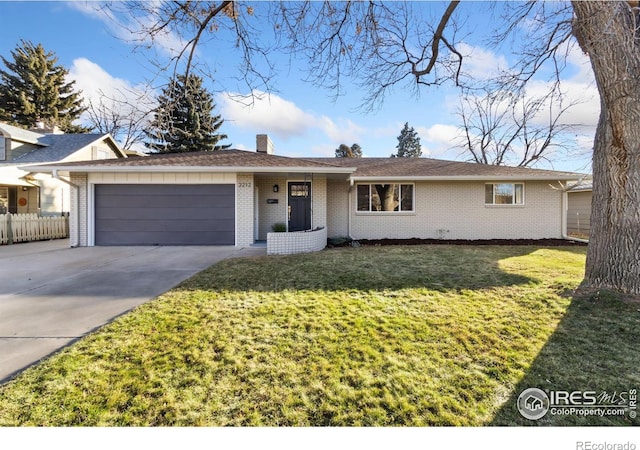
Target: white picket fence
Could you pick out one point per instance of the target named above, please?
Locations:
(31, 227)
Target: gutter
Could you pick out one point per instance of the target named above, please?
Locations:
(496, 177)
(185, 169)
(76, 188)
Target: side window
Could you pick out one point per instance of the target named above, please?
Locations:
(504, 194)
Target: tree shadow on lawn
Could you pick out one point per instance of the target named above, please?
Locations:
(594, 348)
(436, 267)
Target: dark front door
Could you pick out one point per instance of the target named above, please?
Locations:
(299, 206)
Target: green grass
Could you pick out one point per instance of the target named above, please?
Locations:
(424, 335)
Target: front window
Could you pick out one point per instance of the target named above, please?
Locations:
(385, 197)
(504, 194)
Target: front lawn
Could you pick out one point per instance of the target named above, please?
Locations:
(420, 335)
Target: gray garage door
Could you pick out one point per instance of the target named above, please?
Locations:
(165, 214)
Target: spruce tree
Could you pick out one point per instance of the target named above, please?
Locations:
(408, 143)
(34, 89)
(184, 121)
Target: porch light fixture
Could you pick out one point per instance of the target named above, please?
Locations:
(276, 188)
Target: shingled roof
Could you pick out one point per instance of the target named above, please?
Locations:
(57, 147)
(438, 168)
(358, 168)
(221, 160)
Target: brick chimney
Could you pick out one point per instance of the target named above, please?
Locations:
(264, 144)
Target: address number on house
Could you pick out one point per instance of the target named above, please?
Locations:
(246, 184)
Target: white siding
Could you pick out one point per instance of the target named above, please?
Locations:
(162, 178)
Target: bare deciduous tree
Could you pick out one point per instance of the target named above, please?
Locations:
(385, 45)
(123, 119)
(506, 128)
(609, 32)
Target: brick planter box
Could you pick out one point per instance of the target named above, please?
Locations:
(296, 242)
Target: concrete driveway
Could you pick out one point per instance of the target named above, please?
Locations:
(51, 295)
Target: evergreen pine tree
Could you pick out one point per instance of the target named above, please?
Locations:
(184, 120)
(408, 143)
(33, 89)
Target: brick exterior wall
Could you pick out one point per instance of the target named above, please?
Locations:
(456, 210)
(271, 213)
(319, 202)
(337, 208)
(448, 210)
(244, 209)
(298, 242)
(78, 219)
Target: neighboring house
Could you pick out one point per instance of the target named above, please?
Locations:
(579, 209)
(22, 192)
(234, 197)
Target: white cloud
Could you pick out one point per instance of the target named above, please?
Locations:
(99, 87)
(269, 113)
(133, 29)
(438, 139)
(94, 81)
(480, 63)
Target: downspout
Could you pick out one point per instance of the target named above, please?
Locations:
(350, 204)
(76, 188)
(565, 206)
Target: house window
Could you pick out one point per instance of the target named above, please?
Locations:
(4, 200)
(3, 148)
(299, 190)
(385, 197)
(504, 194)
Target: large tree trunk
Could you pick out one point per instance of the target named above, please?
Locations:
(608, 33)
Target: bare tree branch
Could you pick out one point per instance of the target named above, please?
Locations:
(502, 129)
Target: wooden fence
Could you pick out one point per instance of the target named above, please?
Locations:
(31, 227)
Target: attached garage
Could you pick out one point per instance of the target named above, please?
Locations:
(164, 214)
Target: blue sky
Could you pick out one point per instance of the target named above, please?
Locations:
(301, 119)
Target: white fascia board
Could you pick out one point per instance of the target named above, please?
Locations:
(182, 169)
(467, 178)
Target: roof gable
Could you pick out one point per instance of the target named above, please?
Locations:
(21, 135)
(61, 146)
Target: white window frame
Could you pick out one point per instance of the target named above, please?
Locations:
(400, 211)
(513, 190)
